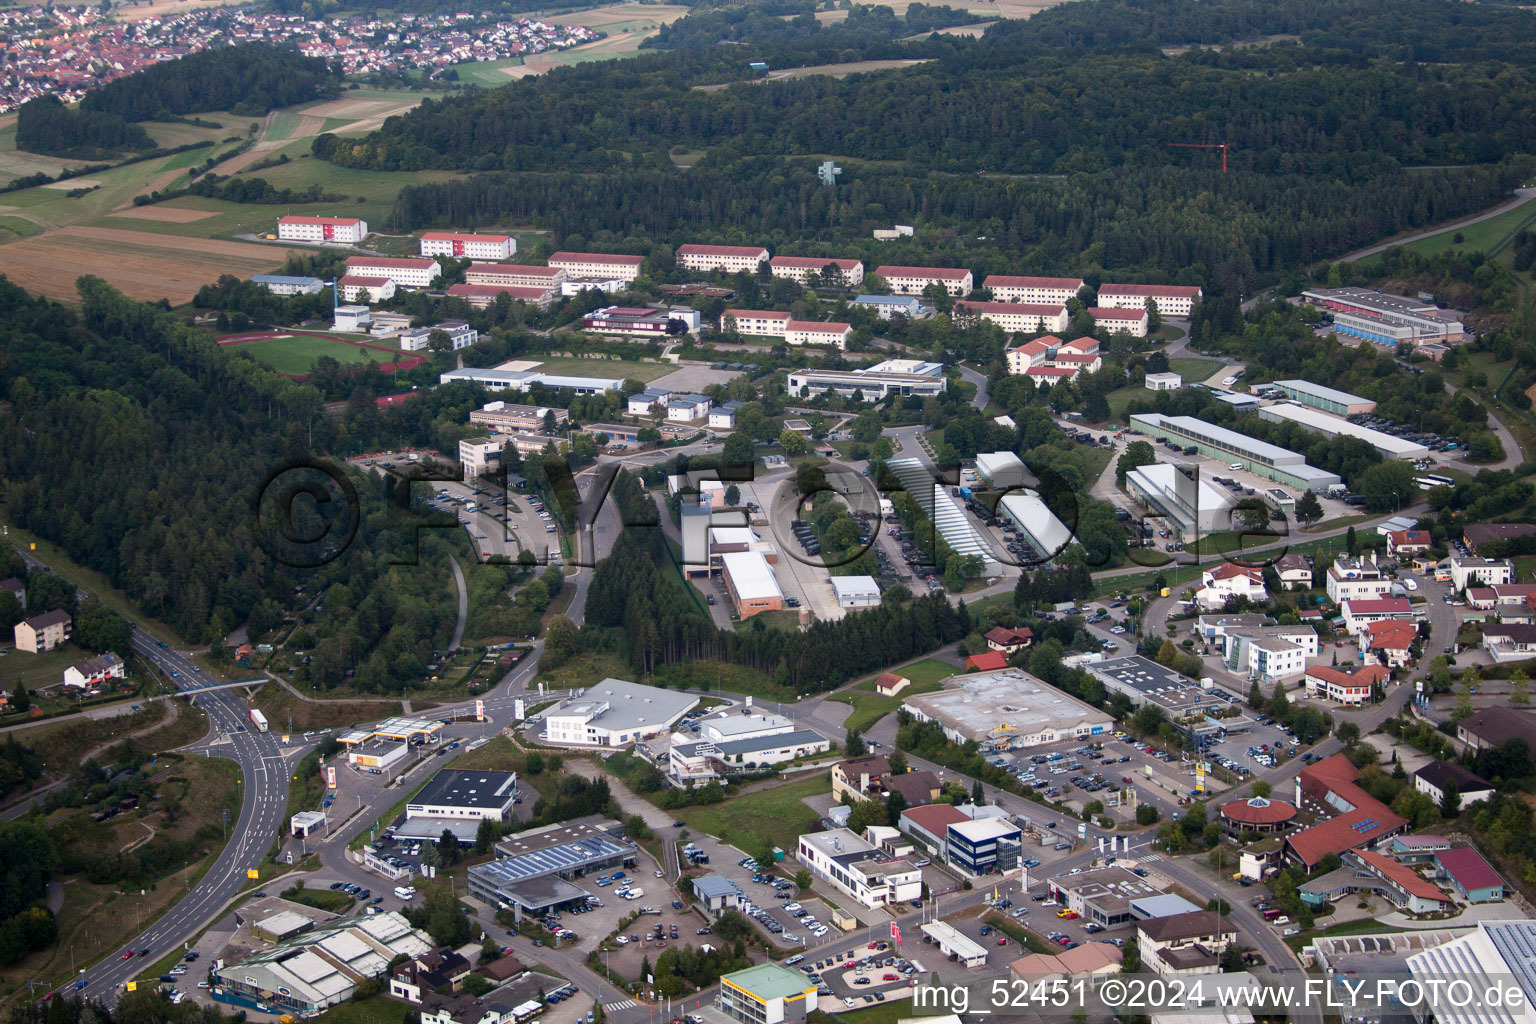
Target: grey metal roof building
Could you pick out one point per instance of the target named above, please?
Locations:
(947, 518)
(1144, 681)
(1279, 464)
(465, 794)
(533, 868)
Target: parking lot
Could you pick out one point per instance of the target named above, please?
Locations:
(865, 975)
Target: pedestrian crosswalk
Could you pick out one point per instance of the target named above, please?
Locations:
(624, 1005)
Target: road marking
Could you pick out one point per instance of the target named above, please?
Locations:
(625, 1005)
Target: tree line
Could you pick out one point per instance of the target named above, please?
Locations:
(247, 80)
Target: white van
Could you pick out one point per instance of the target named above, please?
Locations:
(1234, 465)
(405, 892)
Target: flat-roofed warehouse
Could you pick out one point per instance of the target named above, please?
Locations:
(1334, 426)
(1268, 460)
(947, 518)
(1320, 396)
(1007, 705)
(1144, 681)
(466, 794)
(534, 869)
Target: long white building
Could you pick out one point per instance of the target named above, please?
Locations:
(810, 269)
(1017, 317)
(1320, 422)
(322, 229)
(517, 275)
(598, 265)
(756, 323)
(1055, 291)
(522, 380)
(406, 272)
(1171, 299)
(615, 713)
(1191, 508)
(468, 246)
(912, 280)
(1268, 460)
(859, 868)
(892, 377)
(727, 259)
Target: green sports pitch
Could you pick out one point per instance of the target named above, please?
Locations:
(296, 354)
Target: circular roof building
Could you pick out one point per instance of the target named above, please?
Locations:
(1257, 814)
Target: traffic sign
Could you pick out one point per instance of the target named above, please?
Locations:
(252, 873)
(133, 986)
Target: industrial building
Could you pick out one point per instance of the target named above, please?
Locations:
(858, 868)
(1171, 299)
(472, 795)
(1144, 681)
(406, 272)
(1102, 896)
(1032, 517)
(1390, 446)
(856, 591)
(533, 870)
(322, 229)
(725, 259)
(692, 760)
(1055, 290)
(948, 520)
(892, 377)
(466, 246)
(1190, 507)
(596, 265)
(1387, 320)
(1340, 403)
(1007, 707)
(766, 994)
(1278, 464)
(811, 269)
(750, 583)
(1001, 471)
(913, 280)
(522, 380)
(615, 713)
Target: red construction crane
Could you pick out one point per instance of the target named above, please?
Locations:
(1207, 145)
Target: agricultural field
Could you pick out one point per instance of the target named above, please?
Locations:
(840, 70)
(626, 25)
(778, 815)
(295, 354)
(135, 262)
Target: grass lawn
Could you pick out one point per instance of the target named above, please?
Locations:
(1194, 369)
(279, 705)
(37, 670)
(487, 73)
(298, 354)
(1488, 236)
(888, 1012)
(1525, 568)
(775, 815)
(369, 1011)
(320, 899)
(621, 368)
(869, 707)
(13, 228)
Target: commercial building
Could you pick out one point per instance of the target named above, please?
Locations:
(1358, 820)
(406, 272)
(913, 280)
(460, 335)
(1185, 943)
(481, 296)
(1270, 653)
(1032, 517)
(1257, 814)
(750, 583)
(322, 229)
(1144, 681)
(1190, 507)
(1468, 875)
(615, 713)
(1101, 896)
(902, 377)
(472, 795)
(1359, 613)
(514, 274)
(1090, 960)
(286, 285)
(1052, 290)
(1015, 317)
(534, 869)
(508, 418)
(859, 869)
(1331, 400)
(1353, 689)
(1389, 643)
(468, 247)
(984, 845)
(1356, 579)
(1163, 382)
(1491, 957)
(1278, 464)
(317, 968)
(691, 761)
(814, 332)
(688, 408)
(364, 289)
(101, 670)
(1129, 321)
(522, 380)
(1328, 425)
(644, 403)
(755, 323)
(1007, 707)
(812, 270)
(856, 591)
(1387, 319)
(1480, 572)
(887, 305)
(723, 259)
(1369, 871)
(1437, 776)
(597, 265)
(42, 633)
(480, 455)
(1171, 299)
(952, 942)
(1001, 471)
(948, 520)
(766, 994)
(640, 321)
(718, 893)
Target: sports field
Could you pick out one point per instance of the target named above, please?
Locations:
(294, 354)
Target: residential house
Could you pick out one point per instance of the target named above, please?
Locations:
(94, 672)
(1229, 581)
(986, 661)
(1432, 779)
(42, 633)
(1495, 726)
(813, 270)
(1510, 641)
(1009, 641)
(1360, 613)
(16, 589)
(688, 408)
(1189, 943)
(1390, 643)
(1403, 543)
(859, 778)
(1015, 317)
(725, 259)
(1295, 571)
(1356, 578)
(441, 968)
(1484, 572)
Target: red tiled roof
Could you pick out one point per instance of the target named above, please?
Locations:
(1258, 811)
(1229, 570)
(889, 679)
(1360, 677)
(1040, 344)
(1009, 281)
(935, 817)
(818, 327)
(1378, 606)
(1390, 635)
(1074, 357)
(596, 257)
(451, 236)
(1336, 775)
(1050, 371)
(1468, 868)
(1020, 308)
(1153, 290)
(1103, 313)
(514, 291)
(406, 263)
(758, 314)
(1406, 878)
(811, 262)
(362, 281)
(986, 661)
(721, 250)
(521, 269)
(1401, 537)
(937, 273)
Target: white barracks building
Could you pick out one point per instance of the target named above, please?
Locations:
(727, 258)
(1018, 317)
(516, 275)
(912, 280)
(597, 265)
(468, 247)
(406, 272)
(1045, 290)
(1171, 299)
(322, 229)
(803, 268)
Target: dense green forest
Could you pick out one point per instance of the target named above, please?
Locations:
(792, 23)
(46, 125)
(1044, 146)
(247, 80)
